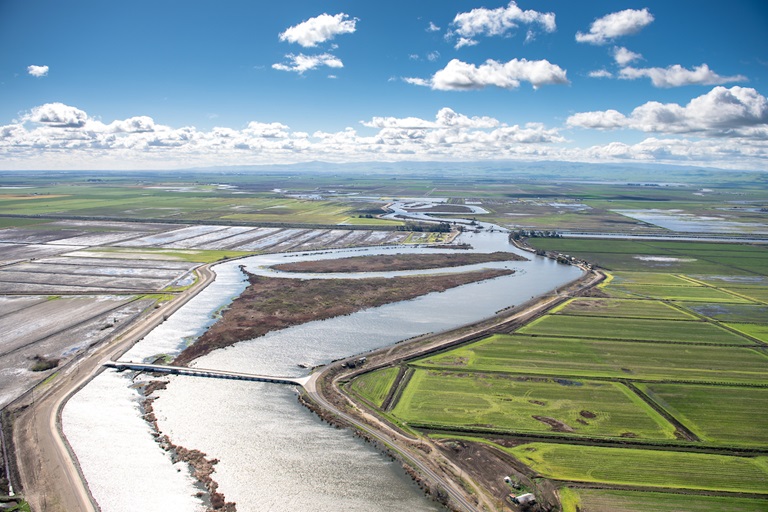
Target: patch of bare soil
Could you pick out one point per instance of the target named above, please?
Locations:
(594, 292)
(556, 425)
(269, 304)
(488, 466)
(393, 262)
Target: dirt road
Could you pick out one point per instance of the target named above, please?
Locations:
(50, 477)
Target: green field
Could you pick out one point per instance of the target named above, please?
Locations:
(375, 386)
(759, 331)
(601, 500)
(671, 331)
(622, 309)
(523, 404)
(192, 255)
(681, 293)
(191, 202)
(645, 468)
(603, 358)
(759, 294)
(649, 278)
(664, 257)
(733, 415)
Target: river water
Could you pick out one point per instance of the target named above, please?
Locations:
(273, 453)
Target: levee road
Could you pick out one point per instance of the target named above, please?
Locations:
(49, 475)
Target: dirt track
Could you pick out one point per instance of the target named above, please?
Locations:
(47, 469)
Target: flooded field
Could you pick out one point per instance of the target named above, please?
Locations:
(680, 221)
(66, 284)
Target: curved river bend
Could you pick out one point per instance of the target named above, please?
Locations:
(273, 453)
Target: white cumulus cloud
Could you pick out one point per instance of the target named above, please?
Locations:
(458, 75)
(57, 115)
(600, 73)
(432, 27)
(301, 63)
(722, 112)
(677, 76)
(622, 56)
(37, 71)
(614, 25)
(319, 29)
(496, 22)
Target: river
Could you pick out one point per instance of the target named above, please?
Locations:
(273, 453)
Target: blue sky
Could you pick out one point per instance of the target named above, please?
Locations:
(170, 84)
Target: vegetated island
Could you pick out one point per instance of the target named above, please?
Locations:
(394, 262)
(269, 304)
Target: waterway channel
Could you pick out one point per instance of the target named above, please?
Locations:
(273, 453)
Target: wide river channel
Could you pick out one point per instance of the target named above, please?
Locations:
(274, 454)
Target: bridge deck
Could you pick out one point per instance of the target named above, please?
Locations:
(203, 372)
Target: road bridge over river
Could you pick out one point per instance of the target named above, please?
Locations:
(203, 372)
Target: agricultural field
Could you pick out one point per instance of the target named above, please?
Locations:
(523, 404)
(375, 386)
(601, 500)
(583, 357)
(622, 309)
(678, 328)
(631, 329)
(654, 468)
(758, 331)
(747, 313)
(720, 414)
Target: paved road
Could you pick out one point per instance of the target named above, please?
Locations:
(50, 477)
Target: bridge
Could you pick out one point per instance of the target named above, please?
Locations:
(202, 372)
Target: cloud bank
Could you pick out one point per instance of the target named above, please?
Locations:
(735, 112)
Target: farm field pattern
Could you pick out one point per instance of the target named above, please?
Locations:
(659, 379)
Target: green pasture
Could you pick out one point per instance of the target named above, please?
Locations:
(758, 331)
(10, 222)
(542, 355)
(646, 468)
(680, 293)
(375, 386)
(642, 329)
(663, 257)
(192, 202)
(604, 500)
(649, 278)
(191, 255)
(721, 414)
(759, 294)
(523, 404)
(620, 308)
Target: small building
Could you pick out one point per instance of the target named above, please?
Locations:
(525, 499)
